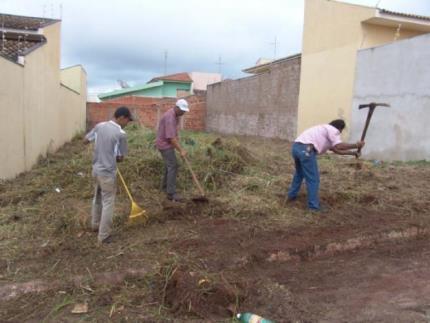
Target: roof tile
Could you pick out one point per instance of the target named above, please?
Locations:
(24, 23)
(179, 77)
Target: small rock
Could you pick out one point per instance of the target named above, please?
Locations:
(80, 308)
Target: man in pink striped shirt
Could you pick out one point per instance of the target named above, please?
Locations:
(167, 141)
(312, 142)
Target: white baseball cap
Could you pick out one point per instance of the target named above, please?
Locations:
(183, 105)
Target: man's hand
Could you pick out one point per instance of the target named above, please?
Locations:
(183, 153)
(360, 144)
(119, 158)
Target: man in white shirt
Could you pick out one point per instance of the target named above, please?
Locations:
(110, 147)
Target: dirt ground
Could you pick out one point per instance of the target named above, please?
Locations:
(365, 259)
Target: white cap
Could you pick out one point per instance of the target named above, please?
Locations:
(183, 105)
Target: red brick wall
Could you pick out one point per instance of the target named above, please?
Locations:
(149, 110)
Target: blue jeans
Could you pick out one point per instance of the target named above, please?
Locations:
(305, 158)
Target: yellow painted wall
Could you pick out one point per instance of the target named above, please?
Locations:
(38, 115)
(374, 35)
(11, 116)
(72, 77)
(333, 32)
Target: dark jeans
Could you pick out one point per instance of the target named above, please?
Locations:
(305, 159)
(168, 184)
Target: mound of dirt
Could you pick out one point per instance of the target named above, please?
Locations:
(192, 292)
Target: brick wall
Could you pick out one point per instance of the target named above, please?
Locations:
(148, 111)
(262, 105)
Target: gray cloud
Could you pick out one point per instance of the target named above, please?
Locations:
(126, 39)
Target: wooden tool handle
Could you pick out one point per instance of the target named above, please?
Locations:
(125, 186)
(369, 116)
(196, 181)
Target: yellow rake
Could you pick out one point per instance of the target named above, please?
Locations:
(136, 211)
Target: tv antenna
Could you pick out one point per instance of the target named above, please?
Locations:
(123, 84)
(220, 63)
(165, 61)
(275, 47)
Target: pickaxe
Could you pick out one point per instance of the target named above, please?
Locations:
(371, 107)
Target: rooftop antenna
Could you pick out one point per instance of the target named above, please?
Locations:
(275, 47)
(61, 11)
(220, 64)
(44, 11)
(165, 61)
(377, 4)
(123, 84)
(52, 10)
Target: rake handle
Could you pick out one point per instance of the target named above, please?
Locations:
(196, 181)
(125, 186)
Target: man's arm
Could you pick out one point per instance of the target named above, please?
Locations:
(91, 136)
(175, 143)
(121, 149)
(345, 149)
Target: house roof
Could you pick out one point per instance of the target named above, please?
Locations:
(13, 44)
(23, 22)
(406, 15)
(129, 90)
(179, 77)
(19, 35)
(266, 66)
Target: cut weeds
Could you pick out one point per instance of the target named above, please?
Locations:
(204, 261)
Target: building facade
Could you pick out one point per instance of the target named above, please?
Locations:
(333, 33)
(41, 107)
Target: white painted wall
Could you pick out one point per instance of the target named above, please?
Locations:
(398, 74)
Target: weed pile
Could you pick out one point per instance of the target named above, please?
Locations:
(55, 197)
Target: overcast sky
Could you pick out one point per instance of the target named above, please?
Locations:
(127, 39)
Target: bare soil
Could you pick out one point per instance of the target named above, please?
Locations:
(365, 259)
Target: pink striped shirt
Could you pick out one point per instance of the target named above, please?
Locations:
(322, 137)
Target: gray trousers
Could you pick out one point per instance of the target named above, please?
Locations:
(171, 166)
(103, 206)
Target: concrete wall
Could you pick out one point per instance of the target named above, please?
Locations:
(398, 74)
(333, 32)
(262, 105)
(37, 114)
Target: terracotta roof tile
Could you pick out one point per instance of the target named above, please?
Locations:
(179, 77)
(24, 23)
(13, 45)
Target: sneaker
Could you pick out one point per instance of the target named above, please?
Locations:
(175, 198)
(321, 210)
(107, 240)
